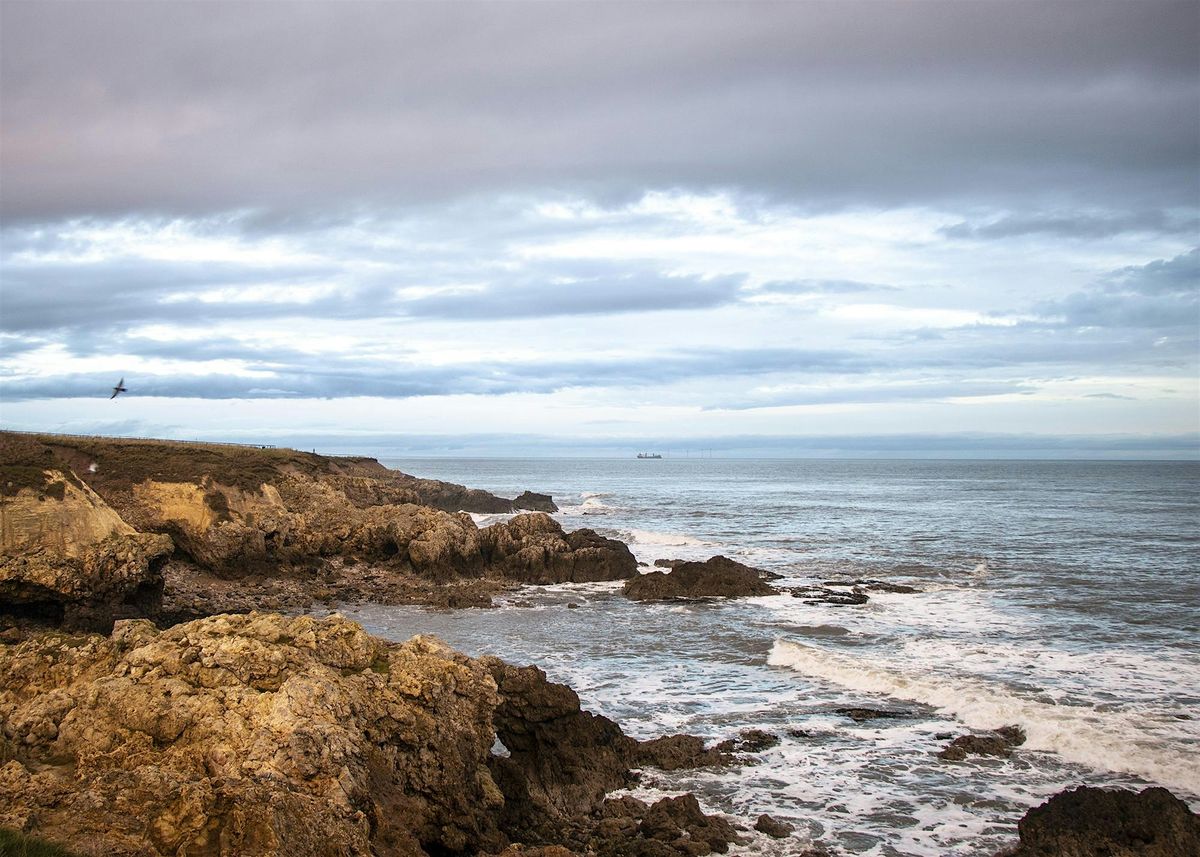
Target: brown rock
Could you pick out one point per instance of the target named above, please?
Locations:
(998, 743)
(1086, 822)
(533, 548)
(676, 752)
(251, 735)
(531, 502)
(773, 827)
(719, 577)
(67, 557)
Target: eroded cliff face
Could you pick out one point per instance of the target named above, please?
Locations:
(232, 510)
(248, 735)
(65, 554)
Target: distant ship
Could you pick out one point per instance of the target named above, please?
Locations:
(648, 455)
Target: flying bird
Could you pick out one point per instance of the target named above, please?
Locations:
(117, 390)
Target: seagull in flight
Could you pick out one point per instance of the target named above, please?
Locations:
(117, 390)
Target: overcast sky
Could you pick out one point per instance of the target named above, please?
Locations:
(504, 228)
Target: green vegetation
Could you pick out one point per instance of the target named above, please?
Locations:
(15, 844)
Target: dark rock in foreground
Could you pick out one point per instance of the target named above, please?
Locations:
(1091, 822)
(998, 743)
(719, 577)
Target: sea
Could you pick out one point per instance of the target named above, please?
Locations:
(1063, 597)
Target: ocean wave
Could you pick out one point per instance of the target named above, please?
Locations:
(590, 503)
(660, 539)
(1103, 740)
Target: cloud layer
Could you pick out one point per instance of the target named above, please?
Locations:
(762, 219)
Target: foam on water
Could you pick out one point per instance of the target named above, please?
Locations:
(1105, 740)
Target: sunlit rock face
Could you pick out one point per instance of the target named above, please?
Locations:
(66, 555)
(248, 735)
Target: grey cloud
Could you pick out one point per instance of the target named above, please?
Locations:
(617, 293)
(1180, 275)
(201, 107)
(1076, 224)
(295, 374)
(1161, 295)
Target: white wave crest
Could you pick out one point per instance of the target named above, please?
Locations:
(651, 537)
(1104, 740)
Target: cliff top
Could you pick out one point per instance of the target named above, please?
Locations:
(119, 463)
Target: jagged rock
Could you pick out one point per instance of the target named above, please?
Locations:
(676, 752)
(67, 557)
(825, 595)
(250, 734)
(718, 577)
(531, 502)
(532, 548)
(680, 821)
(998, 743)
(755, 741)
(562, 760)
(1086, 822)
(773, 827)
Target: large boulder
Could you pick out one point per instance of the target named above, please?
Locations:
(249, 735)
(1089, 822)
(67, 557)
(719, 577)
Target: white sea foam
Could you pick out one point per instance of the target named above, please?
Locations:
(1105, 740)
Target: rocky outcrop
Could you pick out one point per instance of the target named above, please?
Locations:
(533, 548)
(248, 735)
(561, 760)
(287, 526)
(1086, 821)
(719, 577)
(260, 734)
(999, 742)
(65, 555)
(531, 502)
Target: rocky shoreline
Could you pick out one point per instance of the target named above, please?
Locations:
(150, 705)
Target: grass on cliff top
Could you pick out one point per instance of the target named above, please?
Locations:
(120, 464)
(15, 844)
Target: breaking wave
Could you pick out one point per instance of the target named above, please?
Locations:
(1115, 741)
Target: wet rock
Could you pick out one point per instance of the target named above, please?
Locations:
(562, 760)
(680, 821)
(719, 577)
(1087, 821)
(825, 595)
(862, 715)
(531, 502)
(996, 743)
(772, 827)
(677, 752)
(755, 741)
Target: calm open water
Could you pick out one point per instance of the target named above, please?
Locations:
(1061, 596)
